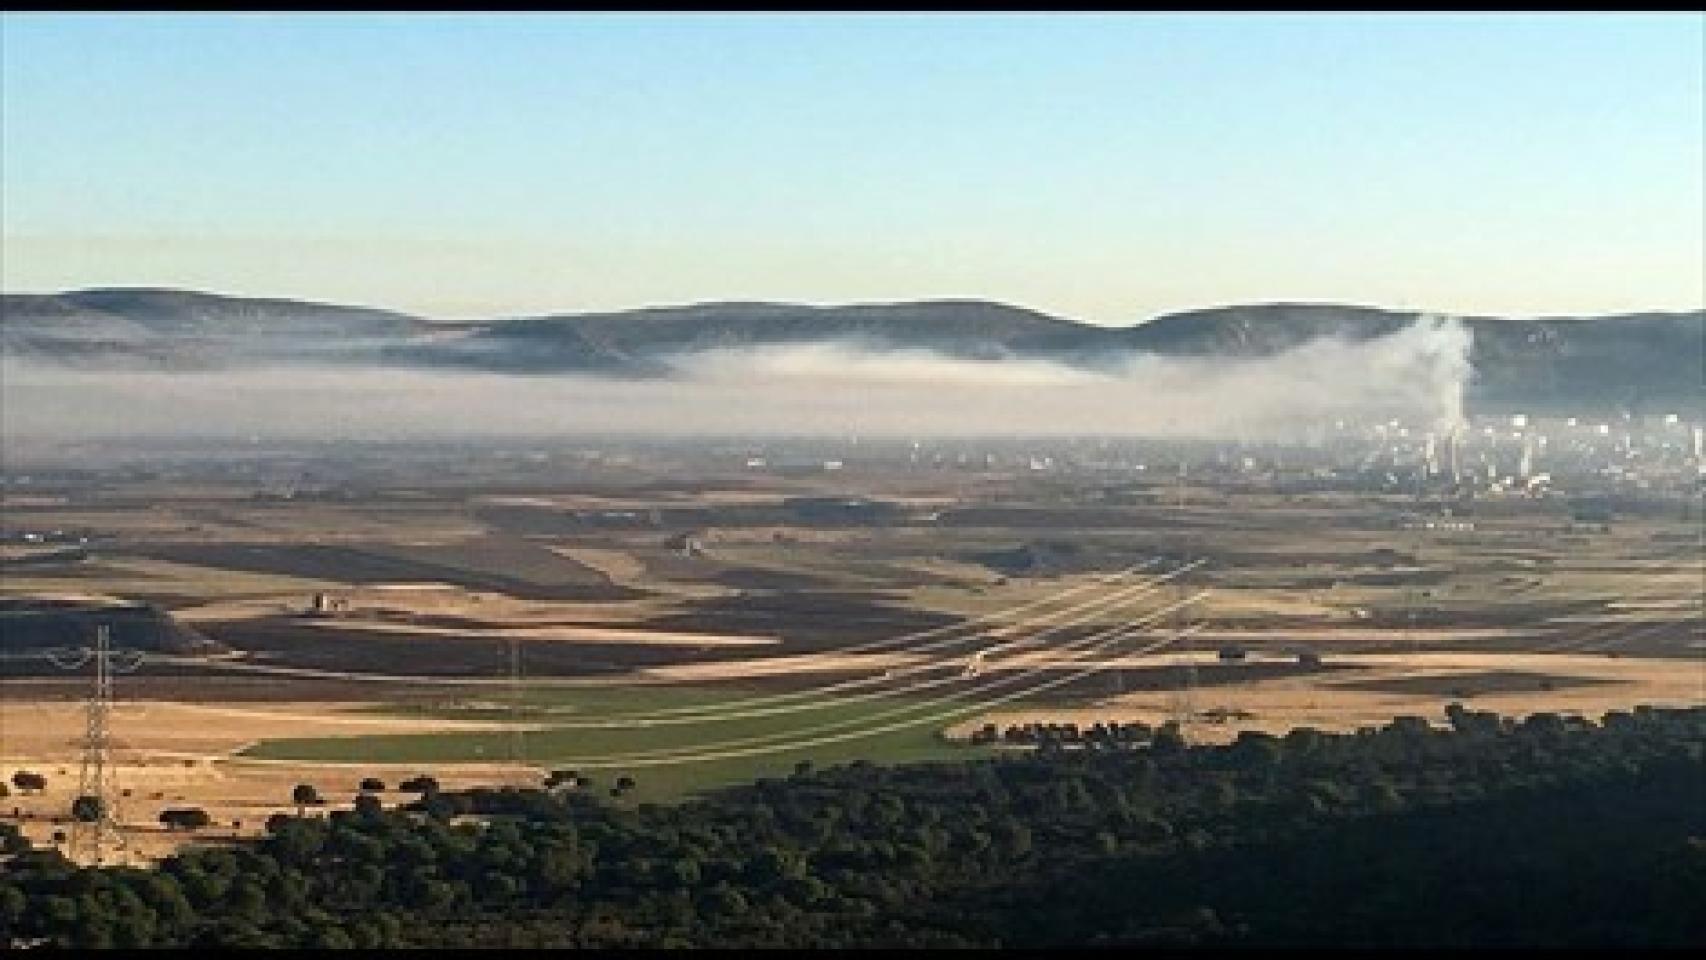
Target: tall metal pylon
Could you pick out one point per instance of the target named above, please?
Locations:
(1412, 599)
(517, 736)
(1185, 699)
(95, 831)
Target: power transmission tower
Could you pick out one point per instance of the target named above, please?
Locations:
(1421, 481)
(1185, 699)
(517, 736)
(95, 821)
(1412, 642)
(1120, 659)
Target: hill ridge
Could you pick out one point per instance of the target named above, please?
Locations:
(1620, 359)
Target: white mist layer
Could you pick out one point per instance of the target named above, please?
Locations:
(1418, 373)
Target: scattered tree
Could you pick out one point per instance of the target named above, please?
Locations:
(304, 795)
(87, 809)
(420, 784)
(185, 818)
(29, 782)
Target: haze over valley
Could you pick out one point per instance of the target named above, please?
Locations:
(155, 361)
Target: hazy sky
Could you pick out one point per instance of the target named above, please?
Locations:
(1106, 167)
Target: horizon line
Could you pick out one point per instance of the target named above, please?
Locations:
(821, 305)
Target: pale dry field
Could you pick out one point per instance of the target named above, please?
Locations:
(120, 577)
(1329, 702)
(619, 565)
(561, 634)
(483, 609)
(178, 754)
(626, 569)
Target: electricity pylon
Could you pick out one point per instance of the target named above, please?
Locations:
(95, 823)
(1184, 699)
(517, 736)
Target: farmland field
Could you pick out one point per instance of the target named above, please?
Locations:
(486, 632)
(667, 757)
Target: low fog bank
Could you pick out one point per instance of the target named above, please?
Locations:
(1418, 373)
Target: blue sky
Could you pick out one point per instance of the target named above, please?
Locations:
(1106, 167)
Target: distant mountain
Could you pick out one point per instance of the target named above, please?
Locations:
(634, 341)
(1639, 360)
(1619, 361)
(179, 329)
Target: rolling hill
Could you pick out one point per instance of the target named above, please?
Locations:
(1615, 361)
(179, 329)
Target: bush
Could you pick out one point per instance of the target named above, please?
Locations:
(185, 818)
(29, 782)
(420, 784)
(87, 809)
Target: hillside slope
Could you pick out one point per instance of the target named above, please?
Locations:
(1640, 361)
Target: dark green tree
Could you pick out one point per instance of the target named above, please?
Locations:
(87, 809)
(304, 795)
(368, 805)
(185, 818)
(29, 782)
